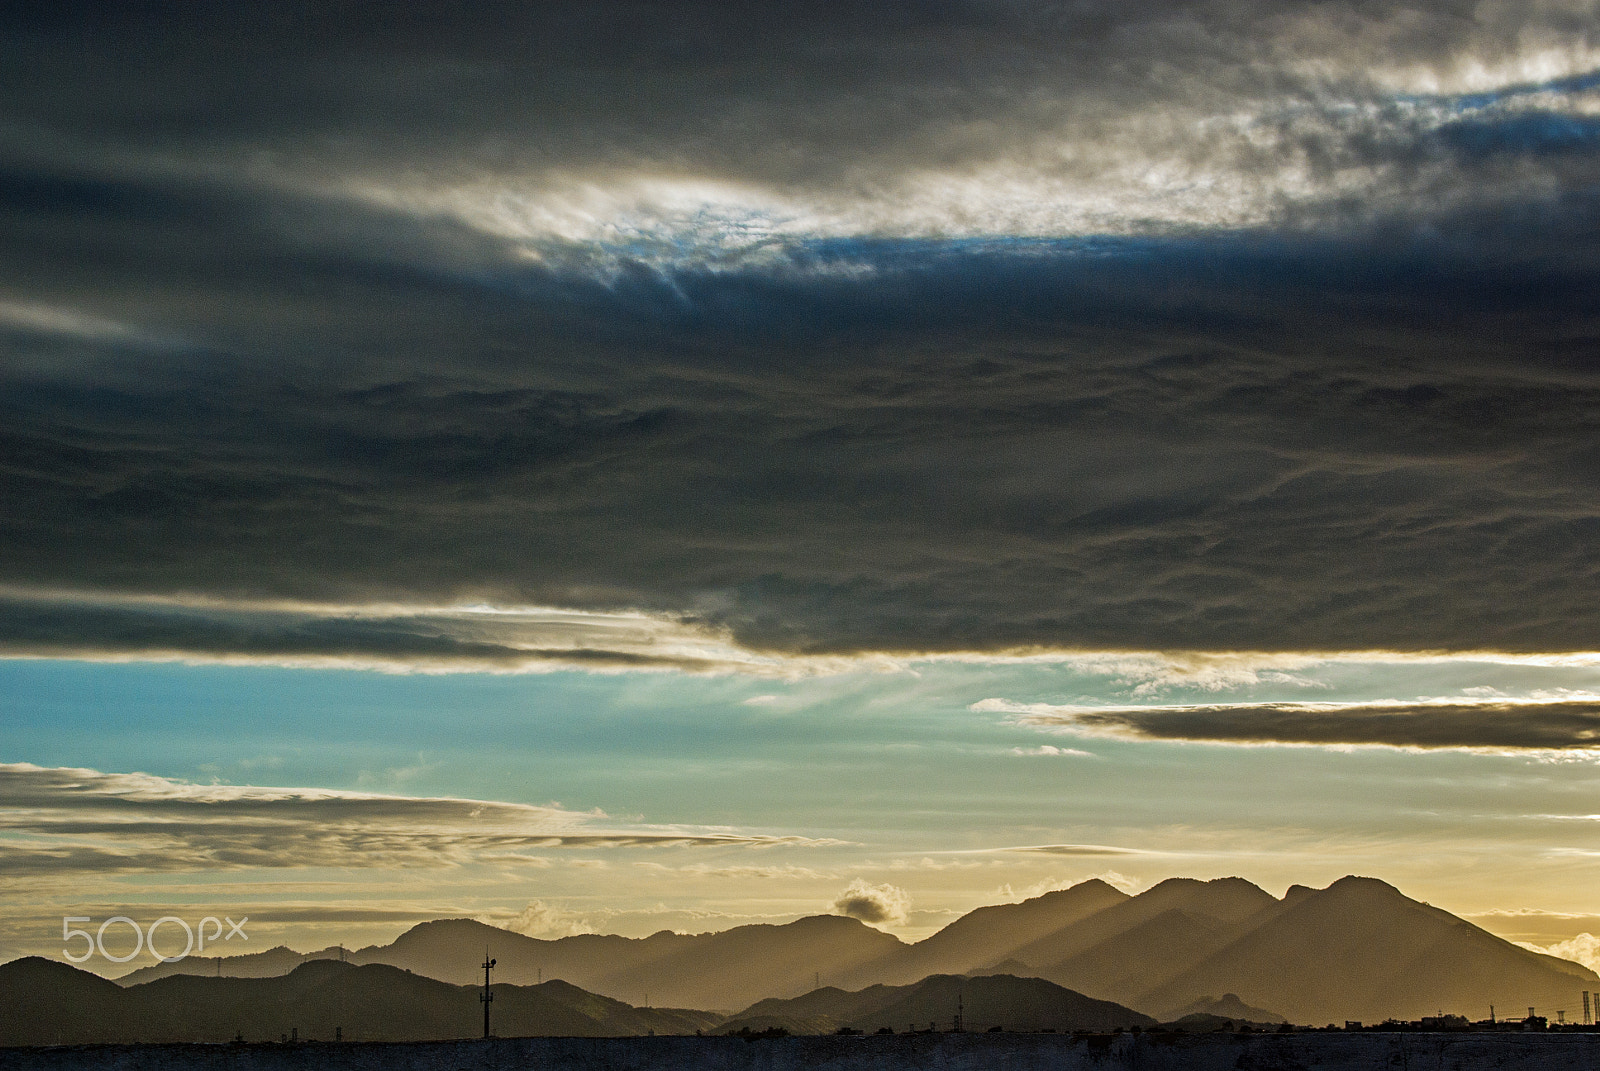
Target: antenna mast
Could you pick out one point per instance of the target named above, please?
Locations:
(486, 997)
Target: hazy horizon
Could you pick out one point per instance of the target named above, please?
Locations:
(859, 903)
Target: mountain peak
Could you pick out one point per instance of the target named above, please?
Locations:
(1229, 1006)
(28, 965)
(1086, 884)
(453, 924)
(1224, 898)
(824, 921)
(1205, 883)
(320, 968)
(1356, 885)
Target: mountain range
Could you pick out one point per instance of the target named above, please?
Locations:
(49, 1003)
(1358, 949)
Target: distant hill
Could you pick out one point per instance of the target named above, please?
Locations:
(1229, 1006)
(992, 1000)
(272, 963)
(48, 1003)
(1358, 949)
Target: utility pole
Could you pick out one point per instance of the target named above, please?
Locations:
(344, 983)
(486, 997)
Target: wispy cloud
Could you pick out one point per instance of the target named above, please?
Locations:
(62, 821)
(72, 323)
(759, 872)
(1087, 850)
(1497, 724)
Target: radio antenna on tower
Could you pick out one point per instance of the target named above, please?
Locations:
(486, 996)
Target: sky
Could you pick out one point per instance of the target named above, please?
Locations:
(600, 467)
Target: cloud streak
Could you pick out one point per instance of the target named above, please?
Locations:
(62, 821)
(397, 638)
(1086, 850)
(1474, 724)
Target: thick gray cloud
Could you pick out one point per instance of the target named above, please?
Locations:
(1476, 724)
(58, 822)
(823, 101)
(789, 327)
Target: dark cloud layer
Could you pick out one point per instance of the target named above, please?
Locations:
(1355, 422)
(1494, 725)
(54, 626)
(797, 95)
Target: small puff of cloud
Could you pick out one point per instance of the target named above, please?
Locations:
(874, 904)
(543, 920)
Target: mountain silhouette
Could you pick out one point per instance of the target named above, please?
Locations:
(1222, 902)
(991, 936)
(986, 1001)
(51, 1003)
(722, 970)
(1358, 949)
(272, 963)
(1230, 1007)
